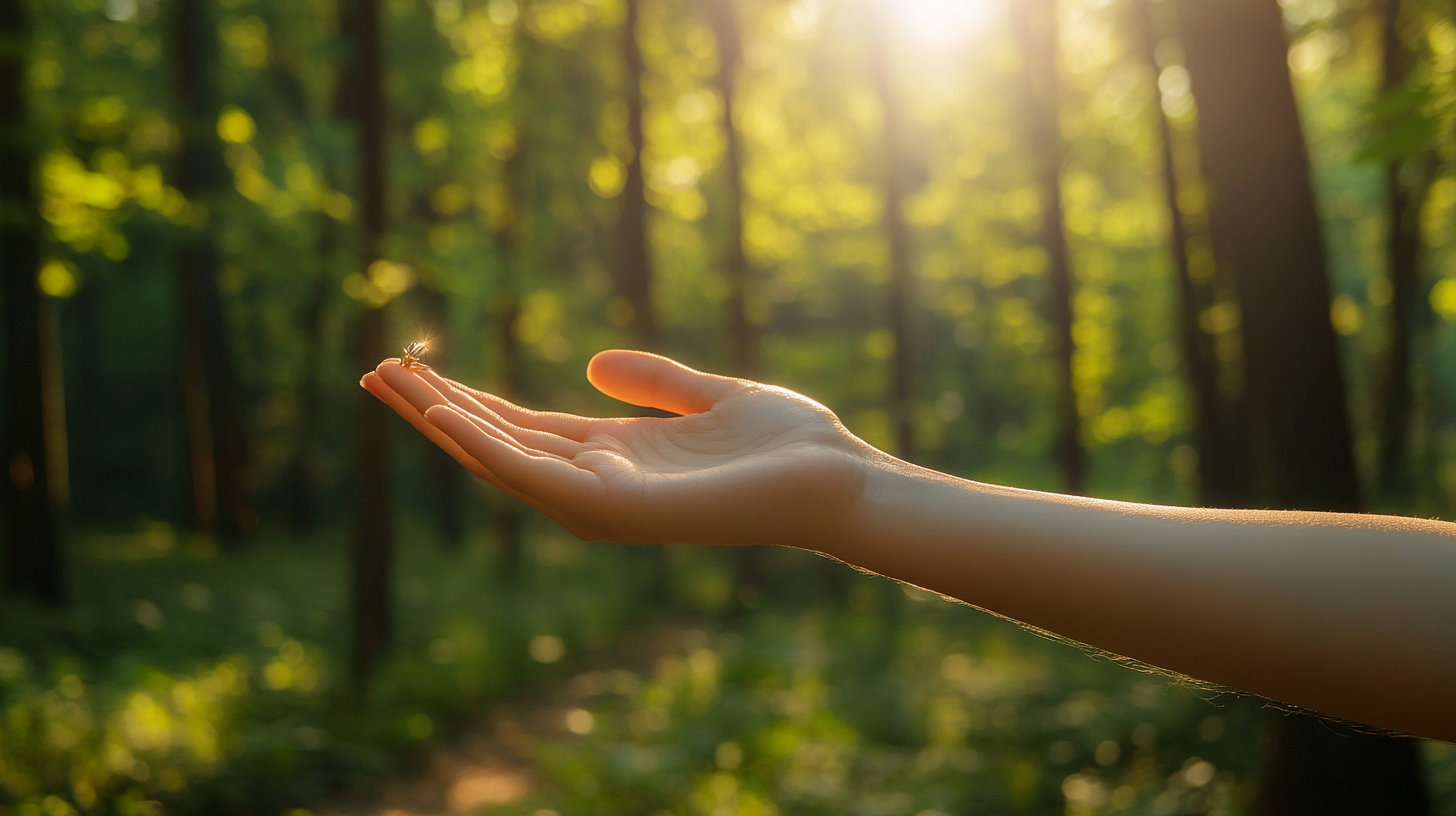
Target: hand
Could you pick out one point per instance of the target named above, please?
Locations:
(746, 463)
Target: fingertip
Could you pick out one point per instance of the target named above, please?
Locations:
(372, 383)
(390, 364)
(440, 413)
(601, 361)
(607, 369)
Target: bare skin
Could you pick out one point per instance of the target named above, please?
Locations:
(1350, 615)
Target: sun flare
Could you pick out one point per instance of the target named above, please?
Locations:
(941, 22)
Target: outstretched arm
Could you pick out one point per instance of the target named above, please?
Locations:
(1345, 614)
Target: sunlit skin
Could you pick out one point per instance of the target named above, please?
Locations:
(1349, 615)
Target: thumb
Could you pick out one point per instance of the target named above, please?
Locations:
(652, 381)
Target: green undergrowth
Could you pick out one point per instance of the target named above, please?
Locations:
(183, 680)
(899, 703)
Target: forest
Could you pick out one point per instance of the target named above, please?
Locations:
(1193, 252)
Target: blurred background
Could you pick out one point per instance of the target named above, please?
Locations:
(1177, 251)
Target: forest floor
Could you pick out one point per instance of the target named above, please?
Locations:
(492, 762)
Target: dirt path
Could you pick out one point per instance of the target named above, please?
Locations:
(492, 764)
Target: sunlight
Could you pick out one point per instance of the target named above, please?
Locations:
(941, 22)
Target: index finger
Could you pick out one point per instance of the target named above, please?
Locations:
(483, 404)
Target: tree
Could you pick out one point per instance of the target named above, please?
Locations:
(1218, 475)
(1036, 31)
(304, 495)
(33, 548)
(216, 438)
(510, 237)
(742, 344)
(1265, 228)
(1406, 184)
(373, 532)
(323, 281)
(897, 239)
(635, 274)
(743, 357)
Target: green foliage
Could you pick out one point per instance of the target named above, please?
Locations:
(898, 703)
(216, 683)
(219, 684)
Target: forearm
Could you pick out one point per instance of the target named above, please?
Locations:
(1354, 616)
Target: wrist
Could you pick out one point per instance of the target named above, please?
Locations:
(894, 507)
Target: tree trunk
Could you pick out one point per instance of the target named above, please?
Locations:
(742, 342)
(897, 240)
(1266, 230)
(304, 504)
(216, 439)
(33, 565)
(1036, 28)
(1404, 199)
(511, 239)
(1218, 480)
(636, 271)
(373, 535)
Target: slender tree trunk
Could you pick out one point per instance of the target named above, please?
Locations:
(373, 535)
(32, 540)
(1036, 27)
(1404, 199)
(216, 437)
(1217, 472)
(636, 271)
(305, 498)
(897, 239)
(636, 274)
(1266, 229)
(511, 238)
(304, 509)
(742, 343)
(53, 398)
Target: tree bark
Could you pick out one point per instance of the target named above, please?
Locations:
(304, 501)
(33, 564)
(1218, 480)
(742, 342)
(636, 278)
(1404, 200)
(897, 239)
(511, 238)
(216, 437)
(373, 534)
(1036, 28)
(1265, 228)
(304, 504)
(743, 356)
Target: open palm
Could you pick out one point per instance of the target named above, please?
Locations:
(745, 463)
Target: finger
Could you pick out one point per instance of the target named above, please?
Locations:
(568, 426)
(538, 478)
(376, 386)
(423, 396)
(657, 382)
(532, 441)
